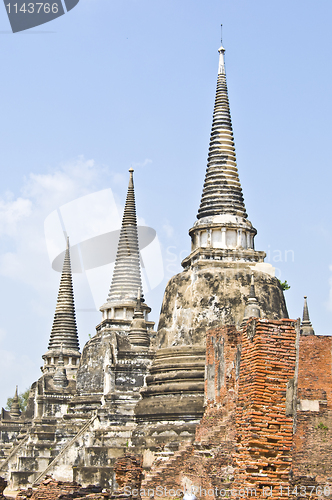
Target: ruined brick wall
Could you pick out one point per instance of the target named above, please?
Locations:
(129, 472)
(264, 432)
(211, 463)
(51, 489)
(312, 451)
(244, 445)
(222, 357)
(223, 352)
(315, 369)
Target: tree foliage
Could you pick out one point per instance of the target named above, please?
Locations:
(22, 400)
(284, 285)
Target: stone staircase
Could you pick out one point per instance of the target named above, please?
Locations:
(97, 459)
(79, 447)
(7, 448)
(32, 453)
(62, 447)
(35, 450)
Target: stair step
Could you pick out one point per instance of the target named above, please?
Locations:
(200, 453)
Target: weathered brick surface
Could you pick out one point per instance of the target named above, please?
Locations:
(264, 432)
(222, 349)
(129, 472)
(312, 452)
(245, 442)
(312, 442)
(315, 369)
(50, 489)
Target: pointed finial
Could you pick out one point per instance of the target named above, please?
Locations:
(221, 50)
(15, 411)
(305, 316)
(306, 326)
(252, 294)
(131, 178)
(67, 246)
(138, 334)
(221, 34)
(252, 308)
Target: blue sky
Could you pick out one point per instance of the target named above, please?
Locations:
(114, 84)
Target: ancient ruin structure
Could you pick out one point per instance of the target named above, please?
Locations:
(228, 395)
(80, 414)
(212, 289)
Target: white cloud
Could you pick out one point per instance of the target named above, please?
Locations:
(2, 334)
(12, 212)
(143, 163)
(22, 219)
(70, 180)
(168, 229)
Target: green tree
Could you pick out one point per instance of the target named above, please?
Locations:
(284, 285)
(22, 400)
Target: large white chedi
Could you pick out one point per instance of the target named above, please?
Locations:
(214, 289)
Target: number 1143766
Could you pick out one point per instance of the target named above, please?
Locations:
(33, 8)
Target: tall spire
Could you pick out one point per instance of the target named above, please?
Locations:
(127, 273)
(222, 230)
(222, 191)
(64, 329)
(306, 326)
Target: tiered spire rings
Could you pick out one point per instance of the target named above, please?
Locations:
(122, 298)
(127, 272)
(64, 329)
(64, 335)
(222, 231)
(222, 192)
